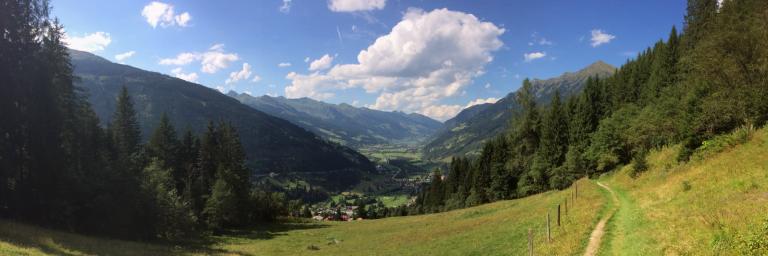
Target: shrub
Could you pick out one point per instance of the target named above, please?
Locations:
(686, 185)
(639, 164)
(722, 142)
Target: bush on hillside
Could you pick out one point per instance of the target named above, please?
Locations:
(722, 142)
(639, 164)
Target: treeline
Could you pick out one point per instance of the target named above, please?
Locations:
(709, 80)
(60, 168)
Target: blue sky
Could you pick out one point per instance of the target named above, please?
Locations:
(431, 57)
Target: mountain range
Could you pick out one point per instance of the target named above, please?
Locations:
(270, 143)
(466, 132)
(304, 135)
(344, 123)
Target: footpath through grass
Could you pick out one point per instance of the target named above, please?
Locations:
(710, 206)
(499, 228)
(623, 236)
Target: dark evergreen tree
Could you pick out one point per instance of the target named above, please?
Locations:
(554, 145)
(526, 135)
(126, 135)
(164, 147)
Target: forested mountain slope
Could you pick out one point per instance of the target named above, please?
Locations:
(271, 144)
(466, 132)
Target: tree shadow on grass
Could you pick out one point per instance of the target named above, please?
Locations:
(54, 242)
(268, 231)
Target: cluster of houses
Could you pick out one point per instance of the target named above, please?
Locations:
(338, 213)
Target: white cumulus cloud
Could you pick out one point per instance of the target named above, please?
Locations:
(89, 42)
(599, 37)
(190, 77)
(181, 59)
(159, 13)
(356, 5)
(314, 86)
(256, 79)
(445, 112)
(211, 61)
(243, 74)
(426, 57)
(481, 101)
(441, 112)
(183, 19)
(321, 63)
(125, 55)
(284, 64)
(216, 59)
(528, 57)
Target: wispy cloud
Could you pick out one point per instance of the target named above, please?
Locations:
(599, 37)
(528, 57)
(123, 56)
(356, 5)
(286, 7)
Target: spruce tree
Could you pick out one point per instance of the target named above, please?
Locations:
(554, 145)
(526, 136)
(164, 147)
(126, 135)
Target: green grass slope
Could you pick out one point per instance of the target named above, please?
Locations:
(494, 229)
(715, 205)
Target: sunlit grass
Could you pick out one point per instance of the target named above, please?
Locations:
(499, 228)
(394, 200)
(698, 208)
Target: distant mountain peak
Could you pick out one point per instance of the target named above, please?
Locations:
(597, 68)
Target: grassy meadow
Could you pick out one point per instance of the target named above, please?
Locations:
(715, 205)
(493, 229)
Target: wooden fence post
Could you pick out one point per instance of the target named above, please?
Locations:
(576, 186)
(566, 207)
(558, 215)
(549, 234)
(530, 241)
